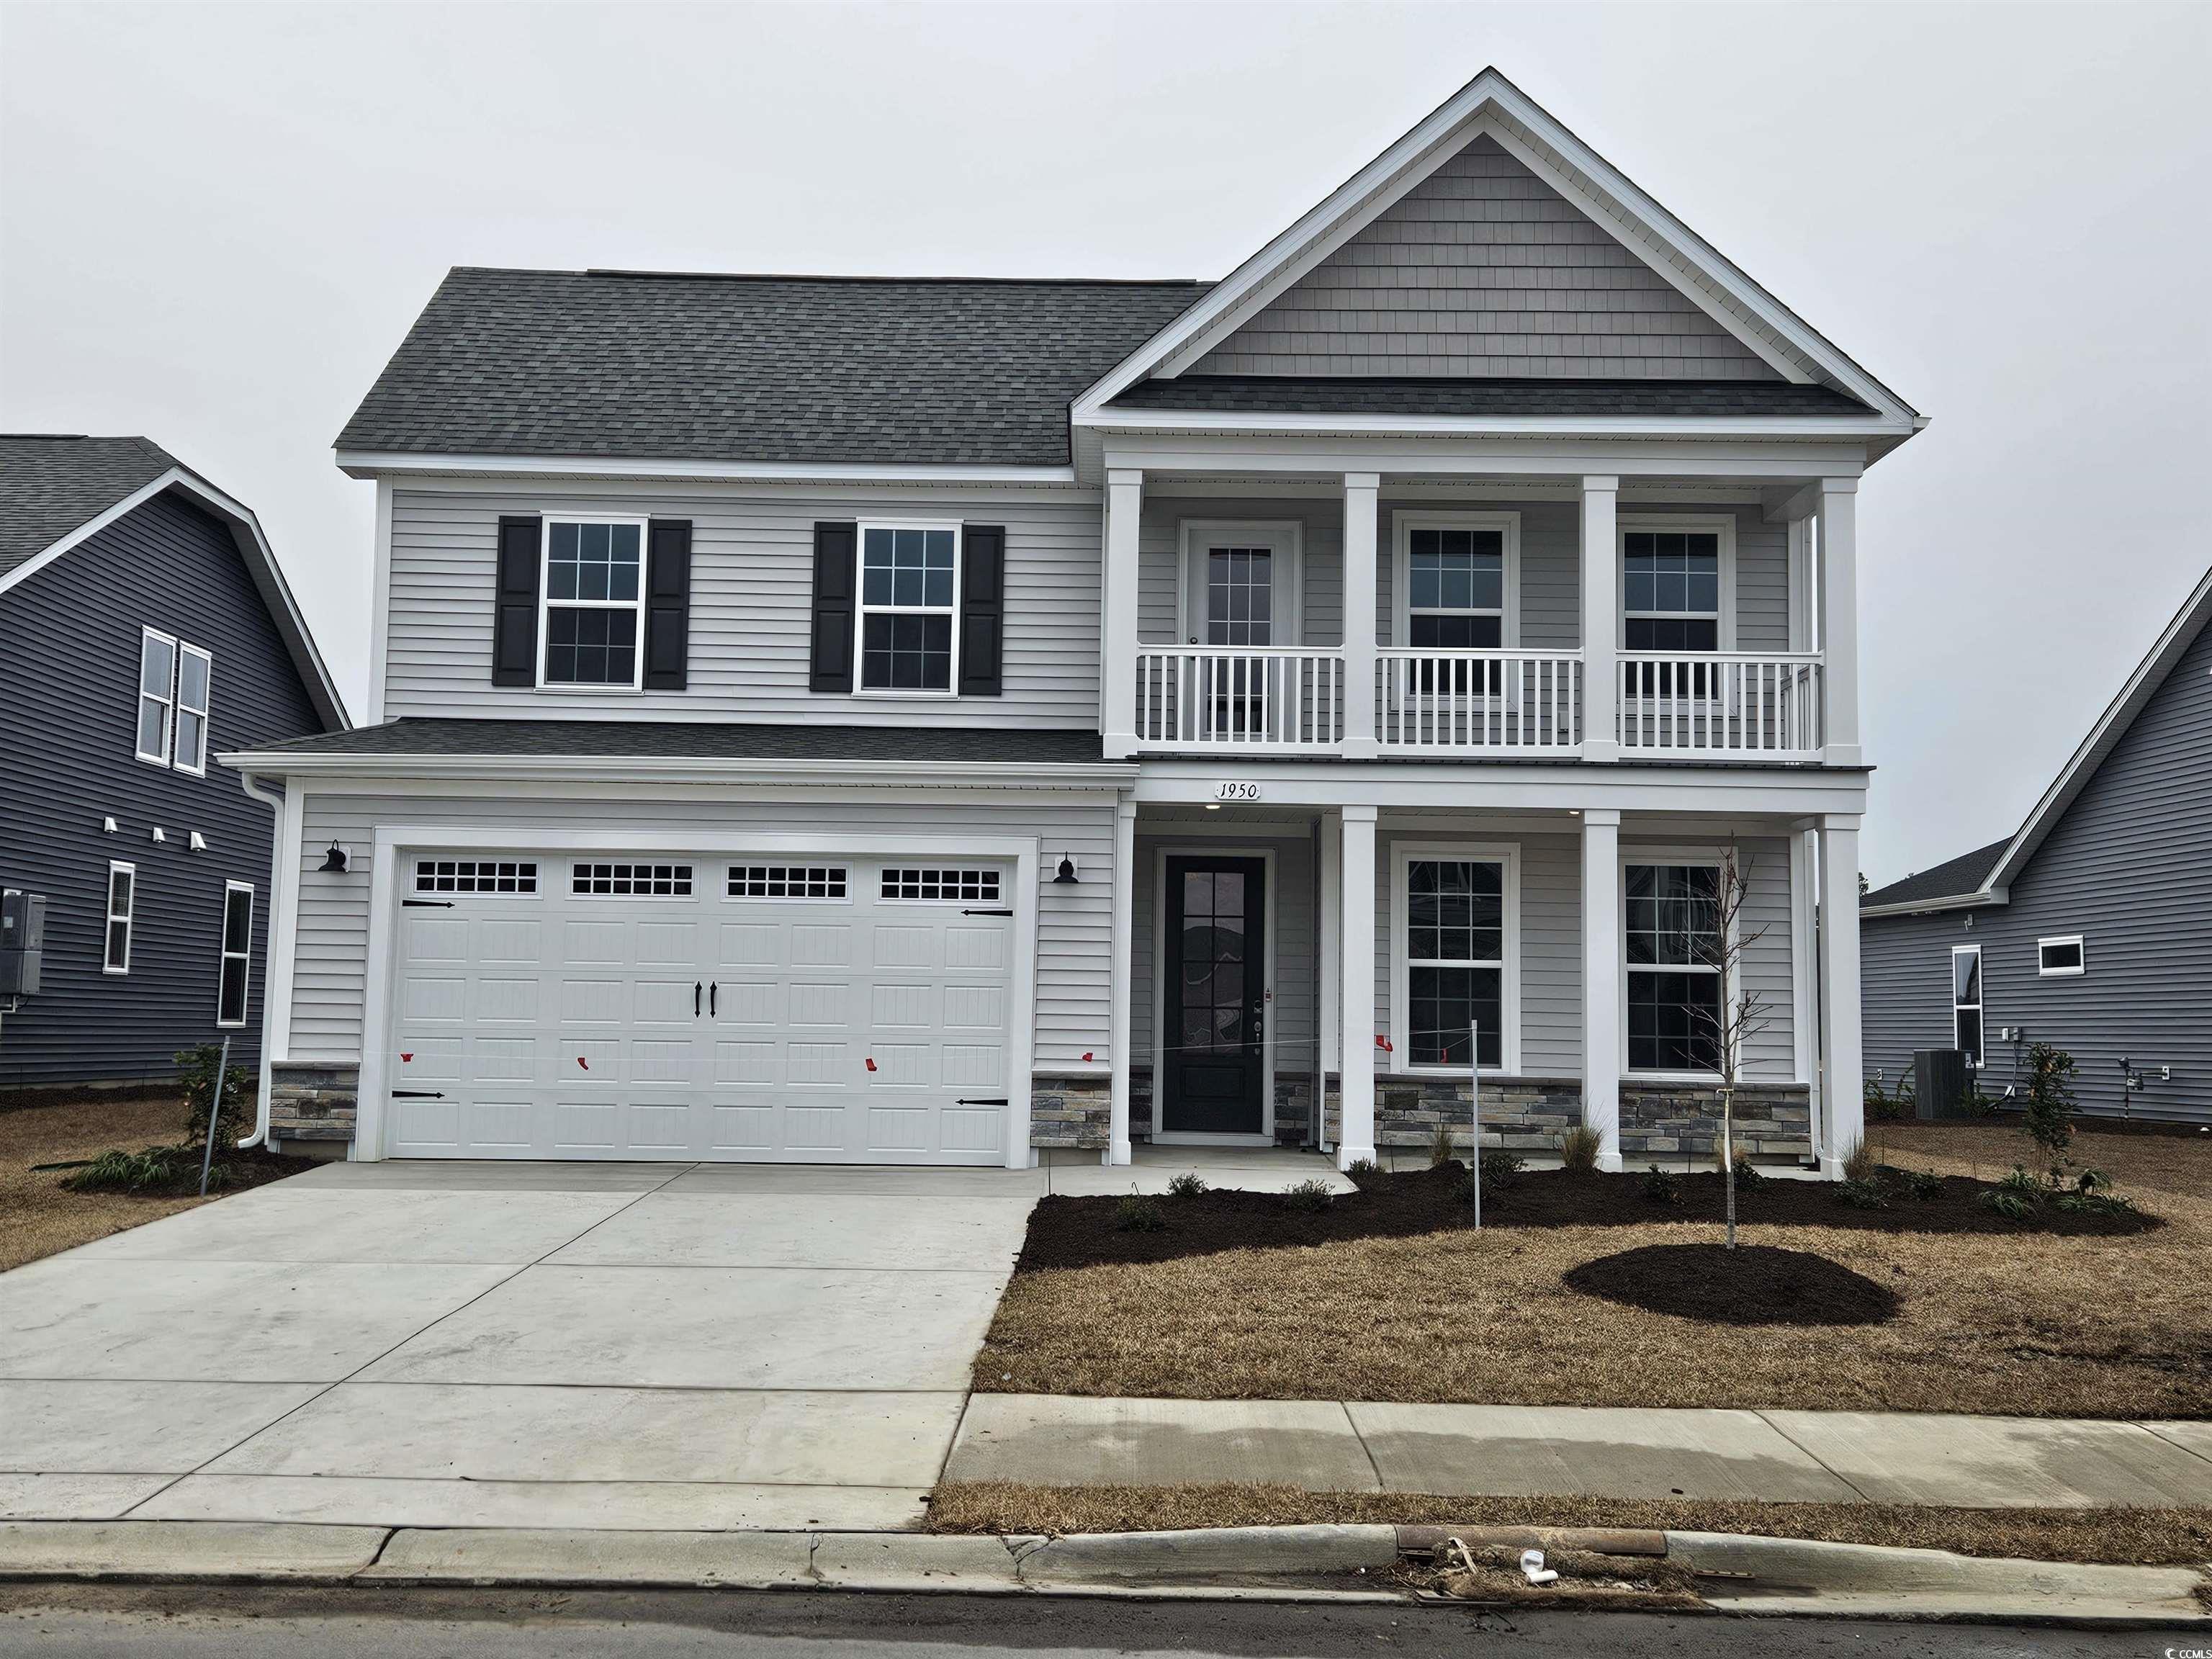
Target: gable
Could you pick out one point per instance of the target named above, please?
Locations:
(1483, 270)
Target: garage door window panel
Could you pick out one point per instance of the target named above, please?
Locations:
(515, 878)
(787, 881)
(626, 880)
(906, 885)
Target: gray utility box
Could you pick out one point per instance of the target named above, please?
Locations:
(1941, 1082)
(23, 942)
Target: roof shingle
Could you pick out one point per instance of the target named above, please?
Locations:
(49, 485)
(1953, 878)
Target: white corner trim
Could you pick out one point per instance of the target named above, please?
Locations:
(379, 603)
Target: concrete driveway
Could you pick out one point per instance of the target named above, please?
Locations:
(589, 1345)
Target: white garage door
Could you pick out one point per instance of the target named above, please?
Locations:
(658, 1006)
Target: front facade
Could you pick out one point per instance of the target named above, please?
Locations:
(144, 628)
(2089, 929)
(827, 720)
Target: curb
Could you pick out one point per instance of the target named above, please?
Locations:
(1739, 1573)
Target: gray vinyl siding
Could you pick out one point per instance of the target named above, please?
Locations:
(69, 703)
(1484, 269)
(752, 572)
(2128, 866)
(1074, 922)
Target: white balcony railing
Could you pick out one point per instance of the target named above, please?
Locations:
(1246, 698)
(1471, 702)
(1723, 703)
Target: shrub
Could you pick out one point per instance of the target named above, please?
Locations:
(1862, 1166)
(1361, 1167)
(1924, 1183)
(1189, 1184)
(2049, 1104)
(2023, 1183)
(1312, 1194)
(1440, 1147)
(2011, 1204)
(1502, 1168)
(1882, 1106)
(155, 1168)
(1862, 1195)
(196, 1070)
(1136, 1213)
(1578, 1150)
(2095, 1203)
(1658, 1186)
(1747, 1174)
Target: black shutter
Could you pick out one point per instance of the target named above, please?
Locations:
(667, 603)
(514, 623)
(836, 587)
(982, 607)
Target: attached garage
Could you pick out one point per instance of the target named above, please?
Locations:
(649, 1005)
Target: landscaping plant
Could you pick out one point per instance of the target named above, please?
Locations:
(1189, 1184)
(1658, 1186)
(1501, 1169)
(1721, 940)
(1440, 1147)
(196, 1075)
(1136, 1213)
(176, 1169)
(1578, 1150)
(2050, 1102)
(1310, 1195)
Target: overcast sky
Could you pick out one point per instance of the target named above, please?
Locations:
(216, 223)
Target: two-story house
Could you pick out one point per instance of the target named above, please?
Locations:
(144, 627)
(928, 721)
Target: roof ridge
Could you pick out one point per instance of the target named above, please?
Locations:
(833, 277)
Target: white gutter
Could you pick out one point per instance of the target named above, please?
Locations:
(1261, 423)
(1923, 907)
(602, 768)
(368, 463)
(274, 914)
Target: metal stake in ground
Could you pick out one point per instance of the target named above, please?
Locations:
(214, 1114)
(1474, 1114)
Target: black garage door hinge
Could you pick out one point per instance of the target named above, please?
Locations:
(1000, 1102)
(987, 913)
(419, 1094)
(427, 904)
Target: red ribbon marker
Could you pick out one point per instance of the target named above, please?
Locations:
(405, 1057)
(581, 1062)
(871, 1064)
(1383, 1043)
(1087, 1055)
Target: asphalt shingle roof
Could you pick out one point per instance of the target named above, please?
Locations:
(49, 485)
(754, 369)
(1953, 879)
(1330, 395)
(704, 740)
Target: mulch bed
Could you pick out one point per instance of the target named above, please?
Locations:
(1751, 1285)
(1080, 1232)
(234, 1171)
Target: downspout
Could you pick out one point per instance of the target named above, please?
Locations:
(275, 918)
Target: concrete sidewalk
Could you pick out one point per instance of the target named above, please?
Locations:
(1834, 1457)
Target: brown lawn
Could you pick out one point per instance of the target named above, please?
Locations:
(2028, 1324)
(37, 1217)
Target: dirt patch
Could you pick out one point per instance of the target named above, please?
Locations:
(1080, 1232)
(1492, 1573)
(38, 1218)
(2166, 1158)
(1751, 1285)
(2144, 1537)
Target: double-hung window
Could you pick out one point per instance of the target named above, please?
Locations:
(236, 971)
(122, 896)
(594, 602)
(1455, 952)
(1966, 1001)
(1671, 605)
(909, 597)
(176, 683)
(195, 676)
(1455, 601)
(1674, 960)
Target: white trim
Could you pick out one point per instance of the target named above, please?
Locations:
(2042, 970)
(1955, 901)
(1980, 1004)
(1123, 967)
(1253, 424)
(1706, 856)
(1403, 853)
(167, 699)
(367, 463)
(225, 955)
(205, 713)
(728, 770)
(379, 603)
(862, 609)
(394, 842)
(1719, 526)
(129, 918)
(286, 810)
(1404, 521)
(1283, 538)
(1162, 851)
(1488, 104)
(546, 602)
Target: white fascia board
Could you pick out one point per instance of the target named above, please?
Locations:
(369, 463)
(585, 769)
(246, 528)
(1372, 191)
(2150, 674)
(1700, 791)
(1323, 455)
(1244, 422)
(1924, 907)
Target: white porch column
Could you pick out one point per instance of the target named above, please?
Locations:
(1117, 642)
(1842, 1079)
(1125, 902)
(1600, 619)
(1602, 950)
(1356, 1005)
(1804, 973)
(1362, 491)
(1326, 1038)
(1839, 622)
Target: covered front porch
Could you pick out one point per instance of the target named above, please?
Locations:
(1316, 973)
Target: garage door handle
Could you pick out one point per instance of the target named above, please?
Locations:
(1000, 1102)
(427, 904)
(714, 990)
(419, 1094)
(697, 985)
(987, 913)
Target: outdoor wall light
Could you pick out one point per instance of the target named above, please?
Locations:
(334, 861)
(1066, 878)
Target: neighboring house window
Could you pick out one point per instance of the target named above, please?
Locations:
(2056, 958)
(237, 954)
(1674, 956)
(977, 886)
(122, 896)
(1966, 1001)
(909, 595)
(594, 602)
(157, 694)
(1455, 946)
(786, 881)
(195, 679)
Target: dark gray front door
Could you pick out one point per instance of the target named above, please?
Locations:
(1214, 1069)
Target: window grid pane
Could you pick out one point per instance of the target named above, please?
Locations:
(906, 652)
(1240, 595)
(590, 647)
(975, 886)
(621, 880)
(1674, 953)
(786, 881)
(475, 876)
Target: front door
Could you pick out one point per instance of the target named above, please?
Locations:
(1214, 1065)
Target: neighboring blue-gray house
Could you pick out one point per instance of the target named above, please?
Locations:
(2091, 928)
(143, 626)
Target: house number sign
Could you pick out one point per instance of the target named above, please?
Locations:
(1235, 789)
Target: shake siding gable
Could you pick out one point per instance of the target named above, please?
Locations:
(1484, 269)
